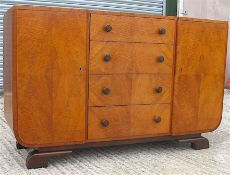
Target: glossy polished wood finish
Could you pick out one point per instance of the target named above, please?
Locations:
(129, 89)
(130, 58)
(81, 78)
(8, 68)
(130, 29)
(128, 121)
(199, 78)
(50, 78)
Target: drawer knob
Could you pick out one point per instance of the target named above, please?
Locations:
(108, 28)
(157, 119)
(106, 91)
(161, 58)
(107, 57)
(162, 31)
(159, 89)
(105, 123)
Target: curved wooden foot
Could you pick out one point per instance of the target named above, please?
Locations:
(200, 143)
(37, 159)
(196, 143)
(19, 146)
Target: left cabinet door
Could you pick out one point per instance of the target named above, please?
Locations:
(50, 58)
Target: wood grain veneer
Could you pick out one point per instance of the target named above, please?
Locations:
(128, 121)
(199, 77)
(145, 30)
(54, 73)
(129, 89)
(48, 75)
(130, 58)
(8, 67)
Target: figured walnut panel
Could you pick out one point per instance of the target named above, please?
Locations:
(126, 89)
(199, 78)
(8, 67)
(132, 29)
(128, 121)
(130, 58)
(51, 70)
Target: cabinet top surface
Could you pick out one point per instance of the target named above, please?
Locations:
(62, 9)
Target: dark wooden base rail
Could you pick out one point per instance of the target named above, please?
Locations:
(39, 157)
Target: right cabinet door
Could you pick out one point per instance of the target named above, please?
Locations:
(199, 76)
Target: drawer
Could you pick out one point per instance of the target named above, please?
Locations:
(126, 89)
(116, 122)
(119, 57)
(132, 29)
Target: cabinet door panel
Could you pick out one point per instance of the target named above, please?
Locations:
(199, 77)
(51, 63)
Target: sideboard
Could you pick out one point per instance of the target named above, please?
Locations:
(78, 78)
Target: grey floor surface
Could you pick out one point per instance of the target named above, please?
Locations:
(151, 158)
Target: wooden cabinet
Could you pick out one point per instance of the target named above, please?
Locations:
(199, 76)
(49, 70)
(78, 78)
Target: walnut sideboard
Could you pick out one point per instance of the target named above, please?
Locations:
(78, 78)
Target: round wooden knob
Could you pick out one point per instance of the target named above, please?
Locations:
(161, 58)
(108, 28)
(159, 89)
(106, 91)
(162, 31)
(105, 123)
(157, 119)
(107, 57)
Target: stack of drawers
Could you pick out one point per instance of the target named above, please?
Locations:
(130, 76)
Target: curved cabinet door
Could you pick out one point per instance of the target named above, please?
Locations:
(51, 63)
(199, 76)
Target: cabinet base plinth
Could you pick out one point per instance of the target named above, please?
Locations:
(40, 156)
(196, 143)
(37, 159)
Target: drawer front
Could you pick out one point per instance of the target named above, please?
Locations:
(116, 122)
(114, 57)
(129, 89)
(131, 29)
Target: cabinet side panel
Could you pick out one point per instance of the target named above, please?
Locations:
(51, 71)
(8, 67)
(199, 76)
